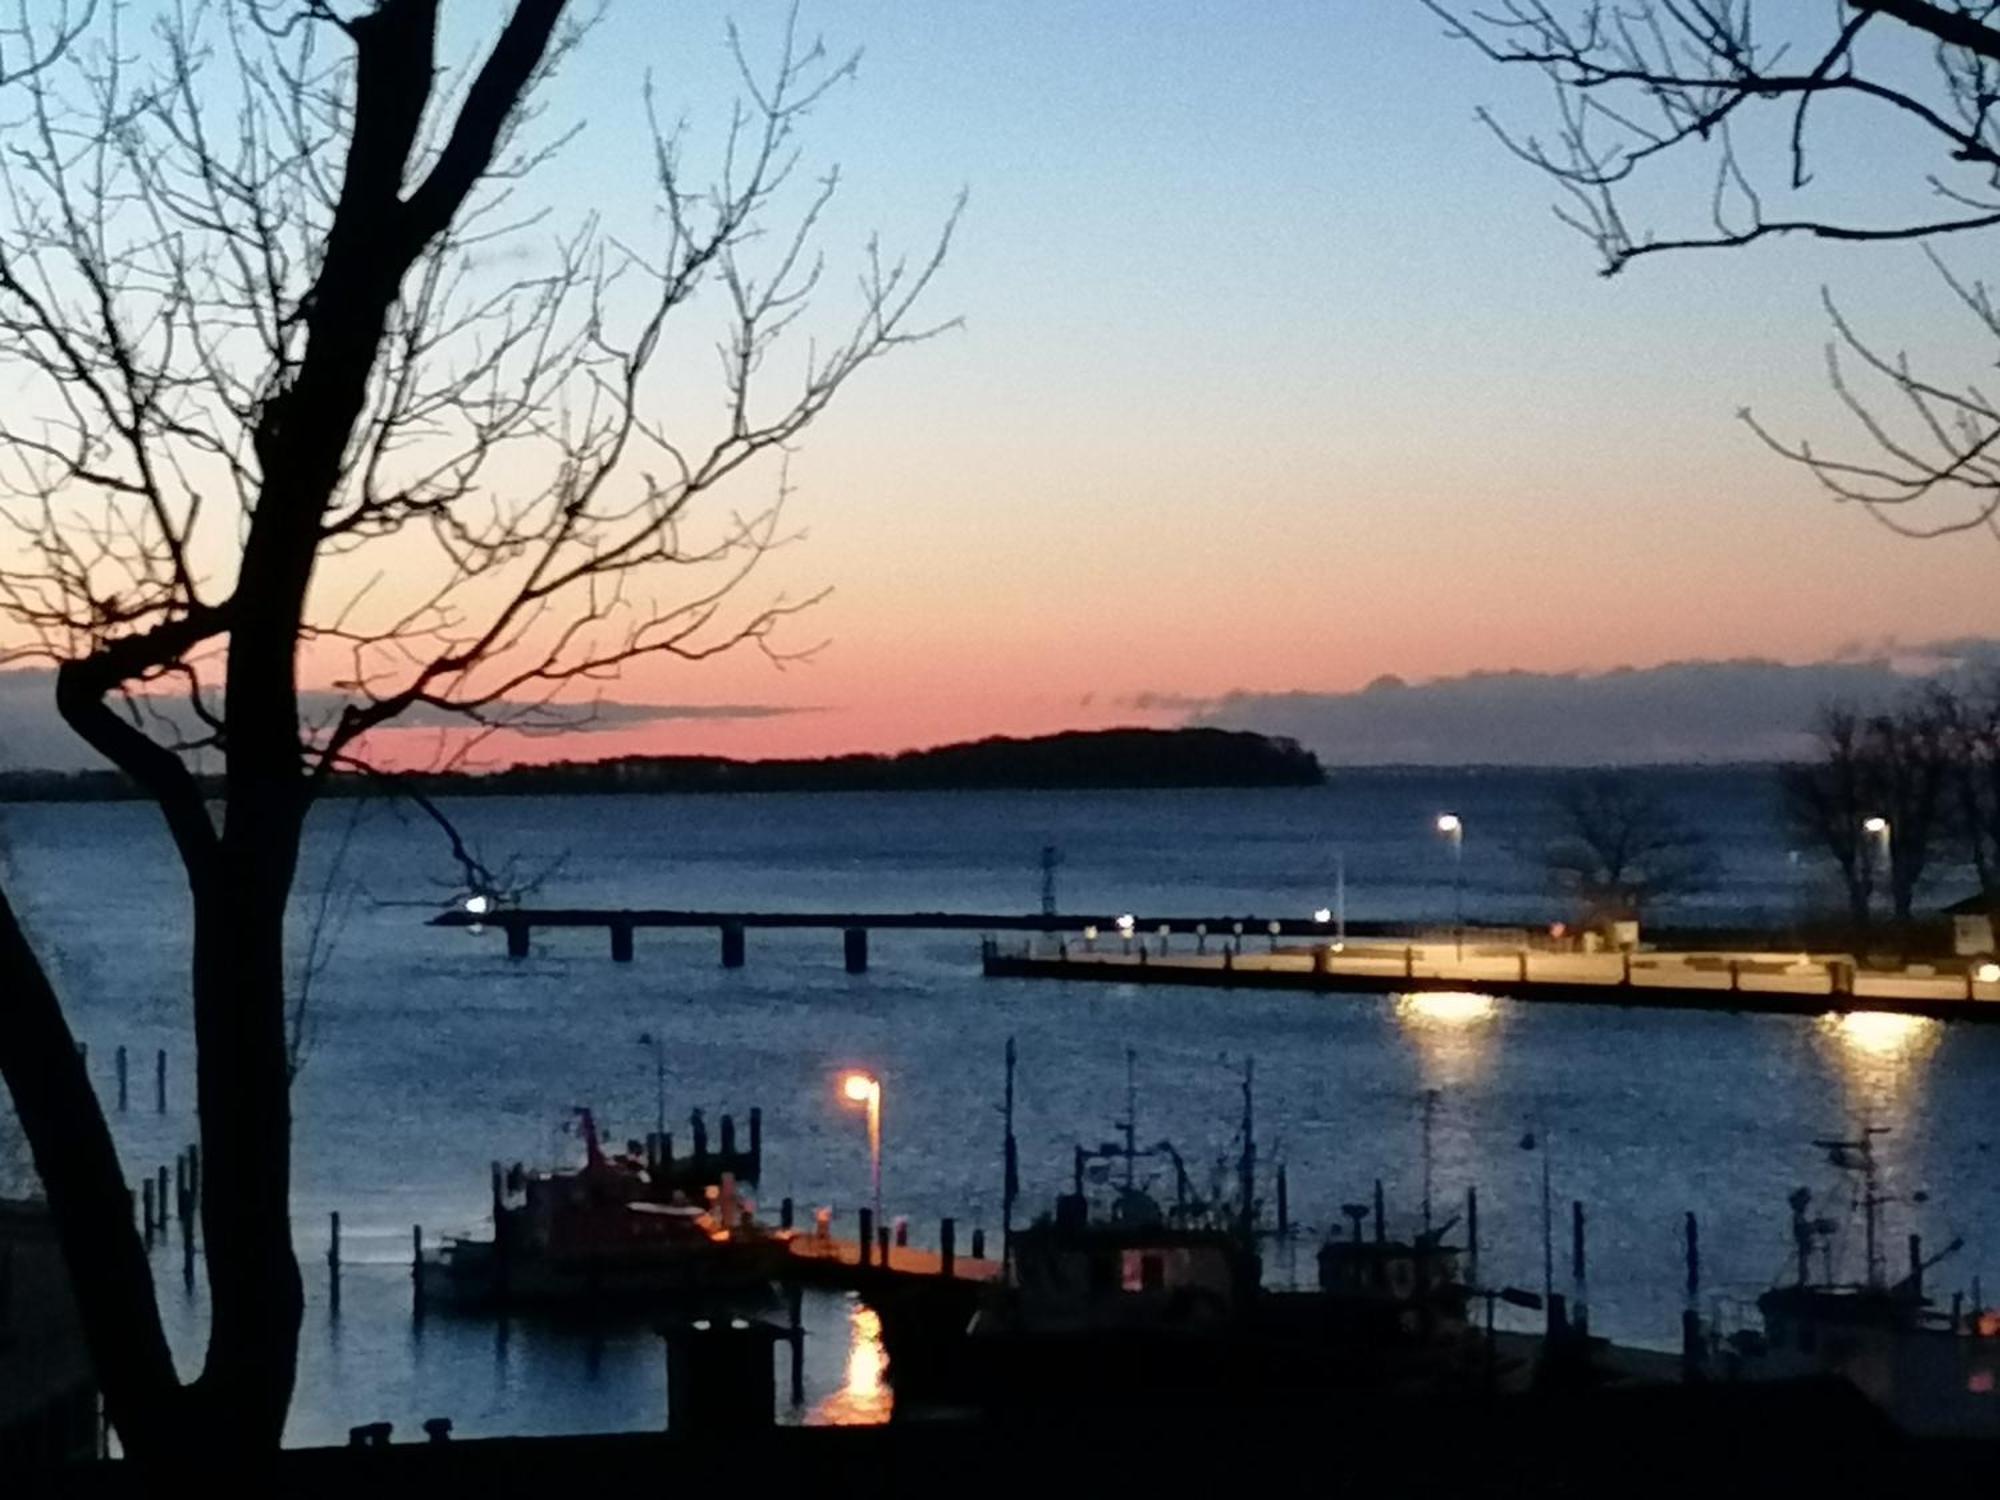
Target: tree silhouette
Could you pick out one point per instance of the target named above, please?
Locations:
(284, 401)
(1747, 93)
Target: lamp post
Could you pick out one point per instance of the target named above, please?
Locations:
(1453, 828)
(647, 1039)
(1877, 828)
(865, 1088)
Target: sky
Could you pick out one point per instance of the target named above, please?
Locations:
(1275, 375)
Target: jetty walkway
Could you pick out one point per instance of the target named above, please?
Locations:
(1776, 983)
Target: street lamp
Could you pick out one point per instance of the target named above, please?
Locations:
(1877, 828)
(865, 1088)
(1453, 827)
(647, 1039)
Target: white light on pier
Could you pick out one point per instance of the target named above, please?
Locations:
(479, 906)
(1323, 915)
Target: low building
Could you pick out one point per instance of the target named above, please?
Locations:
(1972, 923)
(48, 1396)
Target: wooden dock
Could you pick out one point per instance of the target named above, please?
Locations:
(1779, 984)
(838, 1262)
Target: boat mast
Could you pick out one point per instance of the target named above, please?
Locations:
(1131, 1122)
(1247, 1167)
(1431, 1097)
(1010, 1184)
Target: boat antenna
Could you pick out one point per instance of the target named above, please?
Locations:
(1859, 1155)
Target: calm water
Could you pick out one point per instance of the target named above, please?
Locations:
(433, 1054)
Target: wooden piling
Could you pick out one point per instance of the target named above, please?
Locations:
(123, 1099)
(1692, 1233)
(979, 1244)
(1472, 1235)
(729, 1135)
(732, 945)
(794, 1306)
(1735, 974)
(867, 1237)
(146, 1203)
(333, 1262)
(181, 1186)
(194, 1174)
(1523, 967)
(621, 942)
(1284, 1204)
(160, 1082)
(517, 940)
(160, 1194)
(855, 949)
(1409, 963)
(756, 1142)
(417, 1270)
(1381, 1218)
(882, 1245)
(947, 1248)
(785, 1213)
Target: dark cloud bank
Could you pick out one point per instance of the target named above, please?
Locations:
(1680, 712)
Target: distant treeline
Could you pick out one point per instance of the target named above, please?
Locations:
(1081, 760)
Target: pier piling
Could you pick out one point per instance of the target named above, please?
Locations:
(756, 1142)
(947, 1248)
(417, 1270)
(160, 1194)
(732, 945)
(1381, 1218)
(979, 1244)
(123, 1100)
(1284, 1204)
(729, 1135)
(160, 1081)
(333, 1262)
(1472, 1236)
(194, 1174)
(855, 949)
(621, 942)
(146, 1203)
(785, 1213)
(517, 940)
(795, 1310)
(865, 1245)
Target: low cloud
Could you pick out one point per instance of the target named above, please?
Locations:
(1747, 709)
(34, 737)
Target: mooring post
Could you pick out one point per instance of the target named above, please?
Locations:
(517, 940)
(1472, 1236)
(1582, 1317)
(1381, 1218)
(1409, 961)
(732, 945)
(784, 1213)
(1626, 978)
(181, 1186)
(1735, 974)
(333, 1260)
(948, 1247)
(856, 944)
(1692, 1233)
(194, 1174)
(161, 1194)
(187, 1252)
(1284, 1203)
(621, 942)
(756, 1142)
(979, 1244)
(146, 1194)
(794, 1306)
(882, 1244)
(867, 1246)
(160, 1082)
(1523, 975)
(417, 1268)
(122, 1099)
(729, 1135)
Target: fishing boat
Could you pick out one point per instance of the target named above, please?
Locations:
(1934, 1368)
(637, 1225)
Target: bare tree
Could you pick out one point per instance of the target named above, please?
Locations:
(1878, 788)
(1616, 848)
(1969, 718)
(1746, 90)
(279, 408)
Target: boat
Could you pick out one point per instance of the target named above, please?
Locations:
(1935, 1369)
(636, 1225)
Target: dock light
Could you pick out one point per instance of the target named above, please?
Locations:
(1323, 915)
(479, 906)
(1449, 824)
(865, 1088)
(1453, 827)
(1987, 973)
(1876, 826)
(1126, 923)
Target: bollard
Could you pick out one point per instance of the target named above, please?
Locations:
(621, 942)
(947, 1247)
(122, 1100)
(979, 1244)
(160, 1195)
(1284, 1204)
(756, 1142)
(517, 940)
(438, 1429)
(902, 1231)
(1322, 959)
(1409, 963)
(160, 1082)
(732, 945)
(785, 1213)
(855, 946)
(867, 1239)
(146, 1197)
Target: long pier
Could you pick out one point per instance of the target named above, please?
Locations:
(519, 923)
(1761, 982)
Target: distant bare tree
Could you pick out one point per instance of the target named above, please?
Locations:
(1969, 716)
(1895, 766)
(296, 386)
(1742, 91)
(1617, 849)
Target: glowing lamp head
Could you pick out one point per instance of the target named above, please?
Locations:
(859, 1087)
(1323, 916)
(1987, 973)
(1876, 826)
(479, 906)
(1448, 823)
(1126, 923)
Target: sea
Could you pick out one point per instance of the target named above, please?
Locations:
(427, 1053)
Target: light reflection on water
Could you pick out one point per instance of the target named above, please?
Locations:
(1451, 1030)
(1881, 1058)
(865, 1398)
